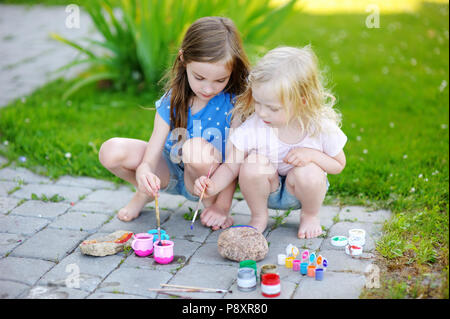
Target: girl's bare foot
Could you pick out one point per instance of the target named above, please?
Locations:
(134, 207)
(260, 223)
(309, 226)
(216, 218)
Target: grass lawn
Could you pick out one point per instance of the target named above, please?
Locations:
(392, 88)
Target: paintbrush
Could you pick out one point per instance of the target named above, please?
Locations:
(197, 288)
(199, 201)
(158, 222)
(220, 291)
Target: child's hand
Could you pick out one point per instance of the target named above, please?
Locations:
(300, 156)
(148, 182)
(201, 183)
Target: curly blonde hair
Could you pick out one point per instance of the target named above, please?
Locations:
(294, 75)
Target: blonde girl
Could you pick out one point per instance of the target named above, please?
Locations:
(288, 142)
(190, 125)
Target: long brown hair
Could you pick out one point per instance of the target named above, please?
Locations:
(208, 39)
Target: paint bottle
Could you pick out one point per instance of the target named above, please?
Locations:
(270, 285)
(325, 264)
(250, 264)
(289, 261)
(319, 274)
(281, 259)
(246, 279)
(296, 265)
(268, 269)
(304, 268)
(311, 270)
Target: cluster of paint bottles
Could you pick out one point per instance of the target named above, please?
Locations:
(308, 265)
(247, 278)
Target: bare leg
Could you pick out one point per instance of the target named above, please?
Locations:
(122, 156)
(308, 184)
(257, 179)
(198, 156)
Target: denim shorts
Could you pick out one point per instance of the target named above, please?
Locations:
(176, 183)
(282, 199)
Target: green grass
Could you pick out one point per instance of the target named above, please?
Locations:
(392, 88)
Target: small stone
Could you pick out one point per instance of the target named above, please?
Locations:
(108, 245)
(241, 243)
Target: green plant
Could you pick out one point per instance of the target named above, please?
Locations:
(140, 37)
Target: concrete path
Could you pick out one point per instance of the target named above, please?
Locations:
(28, 55)
(39, 253)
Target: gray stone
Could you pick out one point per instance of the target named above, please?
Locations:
(207, 276)
(86, 182)
(8, 242)
(11, 290)
(20, 174)
(141, 224)
(52, 292)
(118, 295)
(360, 214)
(241, 243)
(7, 204)
(36, 208)
(70, 194)
(21, 225)
(340, 261)
(181, 228)
(24, 270)
(90, 270)
(208, 254)
(6, 187)
(168, 201)
(134, 281)
(93, 207)
(50, 244)
(335, 285)
(113, 198)
(79, 221)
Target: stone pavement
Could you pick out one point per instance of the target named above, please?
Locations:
(40, 257)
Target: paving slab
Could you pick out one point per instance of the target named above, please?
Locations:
(55, 292)
(21, 225)
(7, 204)
(11, 289)
(134, 281)
(23, 270)
(80, 221)
(22, 175)
(40, 209)
(70, 194)
(8, 242)
(50, 244)
(78, 271)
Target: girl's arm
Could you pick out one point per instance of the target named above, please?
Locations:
(145, 177)
(303, 156)
(224, 175)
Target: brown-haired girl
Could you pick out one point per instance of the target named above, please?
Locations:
(190, 125)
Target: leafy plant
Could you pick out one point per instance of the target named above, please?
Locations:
(141, 37)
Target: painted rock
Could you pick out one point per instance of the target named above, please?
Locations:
(109, 245)
(239, 243)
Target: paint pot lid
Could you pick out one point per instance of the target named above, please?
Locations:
(270, 279)
(339, 241)
(357, 232)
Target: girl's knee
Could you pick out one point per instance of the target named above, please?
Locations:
(110, 153)
(311, 176)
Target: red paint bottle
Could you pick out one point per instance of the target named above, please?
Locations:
(270, 285)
